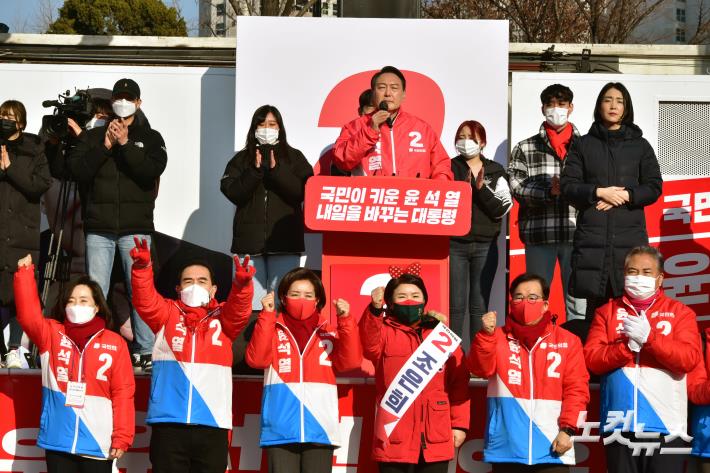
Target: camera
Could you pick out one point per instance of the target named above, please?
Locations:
(78, 107)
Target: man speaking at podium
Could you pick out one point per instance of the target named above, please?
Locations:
(389, 141)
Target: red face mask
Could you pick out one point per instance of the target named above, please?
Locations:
(525, 311)
(300, 309)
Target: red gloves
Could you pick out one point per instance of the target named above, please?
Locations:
(141, 253)
(243, 272)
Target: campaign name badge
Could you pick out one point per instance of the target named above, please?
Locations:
(76, 394)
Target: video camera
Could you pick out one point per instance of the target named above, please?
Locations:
(78, 107)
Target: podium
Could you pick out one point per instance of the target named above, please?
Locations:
(369, 223)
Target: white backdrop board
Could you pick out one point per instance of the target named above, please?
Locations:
(193, 108)
(297, 69)
(313, 71)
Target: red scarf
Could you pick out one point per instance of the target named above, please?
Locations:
(193, 315)
(559, 141)
(528, 334)
(641, 304)
(81, 333)
(301, 329)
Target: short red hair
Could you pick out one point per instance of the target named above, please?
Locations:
(475, 127)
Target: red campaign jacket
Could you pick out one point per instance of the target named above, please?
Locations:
(442, 406)
(300, 397)
(191, 382)
(107, 419)
(532, 394)
(632, 381)
(410, 148)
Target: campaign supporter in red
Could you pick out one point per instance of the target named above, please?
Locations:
(300, 352)
(88, 417)
(390, 141)
(190, 404)
(537, 383)
(643, 344)
(699, 395)
(434, 415)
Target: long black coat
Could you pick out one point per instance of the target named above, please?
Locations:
(21, 187)
(269, 216)
(605, 158)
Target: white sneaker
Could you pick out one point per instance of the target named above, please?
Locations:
(12, 359)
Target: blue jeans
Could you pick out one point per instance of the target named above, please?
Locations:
(269, 271)
(100, 251)
(541, 260)
(472, 268)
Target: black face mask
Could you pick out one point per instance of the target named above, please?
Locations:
(7, 128)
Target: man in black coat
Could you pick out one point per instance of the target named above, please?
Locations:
(24, 177)
(118, 166)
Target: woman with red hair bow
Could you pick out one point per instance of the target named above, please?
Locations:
(421, 379)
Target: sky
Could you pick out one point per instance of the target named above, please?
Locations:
(23, 16)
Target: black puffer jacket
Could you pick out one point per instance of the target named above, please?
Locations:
(21, 187)
(604, 158)
(269, 216)
(490, 203)
(118, 187)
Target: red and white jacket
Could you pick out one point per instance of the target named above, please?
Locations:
(410, 148)
(532, 394)
(443, 405)
(191, 382)
(650, 384)
(300, 399)
(107, 419)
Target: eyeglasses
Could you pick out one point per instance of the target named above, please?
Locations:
(531, 298)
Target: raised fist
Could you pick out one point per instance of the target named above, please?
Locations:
(342, 307)
(267, 302)
(378, 297)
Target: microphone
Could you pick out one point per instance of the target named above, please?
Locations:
(383, 106)
(50, 103)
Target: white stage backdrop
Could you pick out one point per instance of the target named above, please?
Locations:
(313, 71)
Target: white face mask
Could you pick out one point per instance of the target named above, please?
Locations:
(194, 296)
(95, 123)
(267, 136)
(468, 148)
(123, 108)
(80, 314)
(556, 116)
(640, 287)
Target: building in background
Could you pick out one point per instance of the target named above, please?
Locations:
(218, 18)
(674, 22)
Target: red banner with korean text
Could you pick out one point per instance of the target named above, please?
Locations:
(387, 205)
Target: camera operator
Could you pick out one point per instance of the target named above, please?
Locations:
(24, 177)
(117, 167)
(59, 143)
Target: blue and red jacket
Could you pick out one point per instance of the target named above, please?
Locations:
(650, 384)
(107, 419)
(300, 397)
(532, 393)
(699, 394)
(191, 381)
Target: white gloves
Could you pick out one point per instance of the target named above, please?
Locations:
(637, 329)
